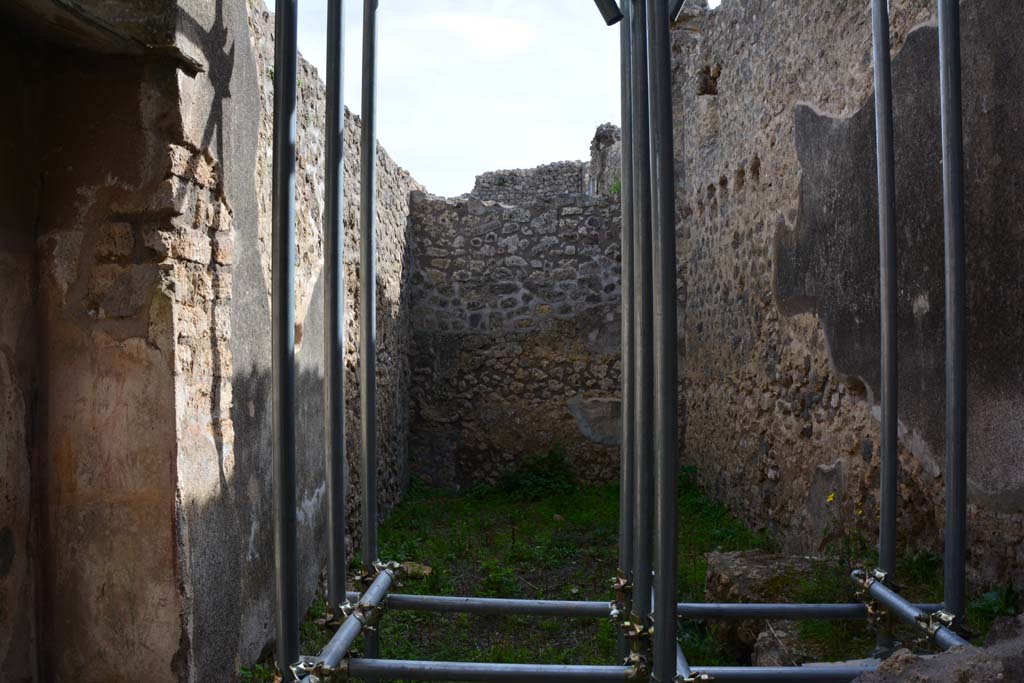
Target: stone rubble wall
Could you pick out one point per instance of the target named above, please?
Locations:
(394, 187)
(778, 255)
(515, 335)
(598, 176)
(525, 186)
(604, 171)
(229, 525)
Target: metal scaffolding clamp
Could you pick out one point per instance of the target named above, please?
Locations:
(693, 677)
(315, 670)
(639, 666)
(932, 622)
(394, 568)
(620, 607)
(368, 615)
(877, 613)
(638, 632)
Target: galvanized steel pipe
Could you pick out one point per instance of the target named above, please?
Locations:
(887, 273)
(905, 611)
(818, 673)
(472, 671)
(554, 673)
(666, 456)
(368, 295)
(354, 624)
(334, 310)
(955, 555)
(286, 577)
(643, 521)
(627, 478)
(597, 609)
(610, 11)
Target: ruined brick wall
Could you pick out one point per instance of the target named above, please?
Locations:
(525, 186)
(778, 253)
(135, 347)
(516, 334)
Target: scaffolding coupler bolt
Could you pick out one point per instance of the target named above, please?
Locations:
(877, 613)
(395, 568)
(931, 623)
(639, 667)
(638, 632)
(315, 670)
(619, 607)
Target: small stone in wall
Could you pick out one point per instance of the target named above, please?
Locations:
(116, 241)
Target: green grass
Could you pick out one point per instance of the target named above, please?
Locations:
(537, 534)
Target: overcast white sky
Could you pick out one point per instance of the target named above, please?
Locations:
(467, 86)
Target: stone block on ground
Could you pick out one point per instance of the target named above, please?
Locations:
(754, 576)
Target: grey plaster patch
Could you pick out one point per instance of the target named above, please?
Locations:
(599, 419)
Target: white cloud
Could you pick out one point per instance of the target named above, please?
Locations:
(466, 86)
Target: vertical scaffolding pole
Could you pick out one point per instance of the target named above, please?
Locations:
(643, 323)
(283, 339)
(626, 470)
(956, 309)
(334, 311)
(368, 296)
(885, 159)
(666, 457)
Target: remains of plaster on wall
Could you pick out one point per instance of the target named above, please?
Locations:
(920, 304)
(310, 505)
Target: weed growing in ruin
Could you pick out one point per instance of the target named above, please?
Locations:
(257, 673)
(537, 477)
(1001, 601)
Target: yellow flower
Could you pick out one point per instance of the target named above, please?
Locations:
(831, 497)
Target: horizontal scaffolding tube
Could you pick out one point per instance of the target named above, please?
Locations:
(589, 608)
(350, 629)
(467, 671)
(905, 611)
(818, 673)
(549, 673)
(540, 608)
(792, 612)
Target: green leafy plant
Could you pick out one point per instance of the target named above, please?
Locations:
(1001, 601)
(257, 673)
(498, 580)
(539, 476)
(616, 187)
